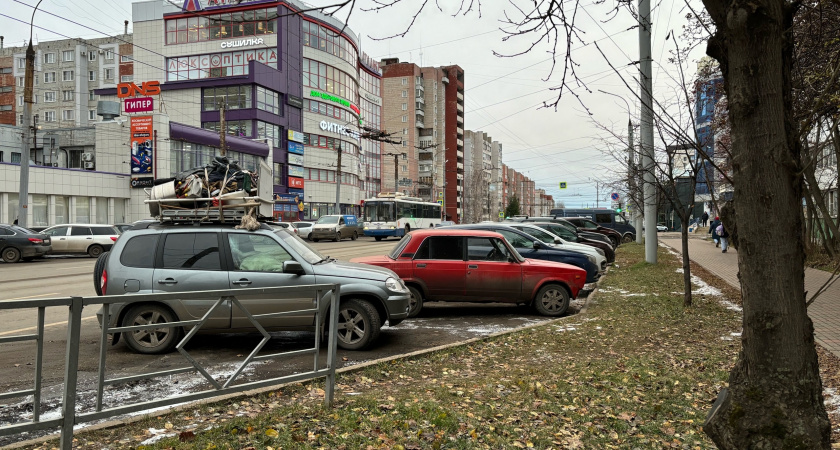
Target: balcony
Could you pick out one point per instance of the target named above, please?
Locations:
(420, 100)
(460, 131)
(460, 166)
(460, 97)
(460, 143)
(420, 113)
(426, 141)
(445, 80)
(418, 121)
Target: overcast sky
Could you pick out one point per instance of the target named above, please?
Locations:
(503, 95)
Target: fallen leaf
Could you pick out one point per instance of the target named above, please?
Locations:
(271, 432)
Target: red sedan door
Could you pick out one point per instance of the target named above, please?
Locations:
(493, 275)
(439, 263)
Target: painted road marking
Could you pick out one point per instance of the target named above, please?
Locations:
(45, 326)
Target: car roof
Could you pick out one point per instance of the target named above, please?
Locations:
(485, 226)
(81, 225)
(454, 230)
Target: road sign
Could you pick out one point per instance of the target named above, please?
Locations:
(614, 196)
(501, 215)
(440, 194)
(562, 185)
(440, 202)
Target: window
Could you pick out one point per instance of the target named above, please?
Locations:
(405, 144)
(486, 249)
(92, 55)
(109, 74)
(191, 251)
(68, 114)
(233, 97)
(268, 100)
(80, 231)
(109, 54)
(441, 247)
(49, 58)
(20, 119)
(405, 118)
(21, 82)
(405, 106)
(58, 231)
(221, 26)
(327, 78)
(329, 41)
(330, 110)
(21, 63)
(68, 95)
(516, 240)
(279, 175)
(241, 128)
(257, 253)
(67, 55)
(68, 75)
(269, 131)
(92, 75)
(405, 130)
(91, 95)
(136, 252)
(405, 81)
(49, 96)
(125, 58)
(20, 99)
(91, 114)
(5, 107)
(603, 218)
(49, 77)
(126, 78)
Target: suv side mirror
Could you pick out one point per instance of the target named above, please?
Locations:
(293, 267)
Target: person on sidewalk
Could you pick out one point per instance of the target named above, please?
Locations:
(723, 235)
(704, 218)
(713, 231)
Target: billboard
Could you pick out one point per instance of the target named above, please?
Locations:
(295, 147)
(142, 148)
(295, 159)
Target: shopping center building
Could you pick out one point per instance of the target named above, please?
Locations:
(286, 82)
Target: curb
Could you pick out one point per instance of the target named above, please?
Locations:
(178, 408)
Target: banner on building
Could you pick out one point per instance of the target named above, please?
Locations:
(295, 159)
(142, 148)
(296, 183)
(295, 147)
(296, 171)
(296, 136)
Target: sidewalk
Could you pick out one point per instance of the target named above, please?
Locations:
(824, 312)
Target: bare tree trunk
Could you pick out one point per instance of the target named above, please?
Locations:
(774, 399)
(686, 261)
(822, 234)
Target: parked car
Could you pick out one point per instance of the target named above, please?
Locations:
(585, 224)
(555, 241)
(533, 248)
(603, 217)
(80, 238)
(157, 258)
(335, 227)
(661, 227)
(573, 228)
(18, 243)
(304, 229)
(569, 235)
(457, 264)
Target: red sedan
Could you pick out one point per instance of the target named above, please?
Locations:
(477, 266)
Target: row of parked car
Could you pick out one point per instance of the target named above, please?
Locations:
(543, 263)
(18, 243)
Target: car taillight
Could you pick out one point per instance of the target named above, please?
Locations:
(36, 241)
(103, 282)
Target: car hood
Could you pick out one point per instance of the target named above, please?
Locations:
(325, 225)
(379, 260)
(541, 263)
(353, 270)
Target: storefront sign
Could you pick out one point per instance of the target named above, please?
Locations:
(293, 100)
(242, 43)
(285, 198)
(130, 89)
(142, 148)
(142, 182)
(296, 171)
(373, 99)
(334, 99)
(142, 104)
(297, 192)
(340, 129)
(296, 136)
(295, 147)
(296, 183)
(295, 159)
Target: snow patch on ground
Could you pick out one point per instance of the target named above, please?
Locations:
(458, 328)
(669, 249)
(832, 400)
(704, 288)
(157, 435)
(567, 327)
(623, 293)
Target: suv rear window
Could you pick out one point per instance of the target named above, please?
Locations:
(104, 231)
(139, 251)
(198, 251)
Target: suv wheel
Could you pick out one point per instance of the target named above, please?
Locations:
(358, 324)
(11, 255)
(415, 303)
(95, 250)
(98, 269)
(158, 340)
(552, 300)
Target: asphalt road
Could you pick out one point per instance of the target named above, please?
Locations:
(438, 324)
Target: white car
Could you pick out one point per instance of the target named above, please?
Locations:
(558, 242)
(303, 229)
(660, 227)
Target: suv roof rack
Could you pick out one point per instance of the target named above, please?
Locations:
(218, 210)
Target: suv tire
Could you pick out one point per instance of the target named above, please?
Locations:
(98, 269)
(552, 300)
(358, 324)
(415, 303)
(11, 255)
(160, 340)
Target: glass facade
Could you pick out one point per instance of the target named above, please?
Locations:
(186, 155)
(240, 128)
(327, 78)
(268, 100)
(327, 40)
(255, 22)
(233, 97)
(215, 65)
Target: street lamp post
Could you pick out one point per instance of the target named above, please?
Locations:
(28, 81)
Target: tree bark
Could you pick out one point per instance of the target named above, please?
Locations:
(774, 399)
(686, 261)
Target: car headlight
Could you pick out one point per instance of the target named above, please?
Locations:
(395, 285)
(366, 228)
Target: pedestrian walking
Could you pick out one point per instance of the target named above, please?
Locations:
(713, 231)
(724, 237)
(16, 221)
(704, 217)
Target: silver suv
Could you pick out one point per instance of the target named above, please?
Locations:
(156, 258)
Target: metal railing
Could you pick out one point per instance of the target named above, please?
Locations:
(69, 417)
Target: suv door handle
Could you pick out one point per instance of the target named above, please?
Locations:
(168, 281)
(242, 282)
(473, 266)
(421, 266)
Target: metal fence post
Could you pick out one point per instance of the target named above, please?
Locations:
(332, 342)
(71, 367)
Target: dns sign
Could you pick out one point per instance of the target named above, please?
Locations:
(131, 90)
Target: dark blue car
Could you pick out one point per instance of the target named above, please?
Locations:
(531, 247)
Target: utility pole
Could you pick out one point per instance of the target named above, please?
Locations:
(645, 69)
(396, 169)
(222, 130)
(631, 182)
(338, 182)
(28, 81)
